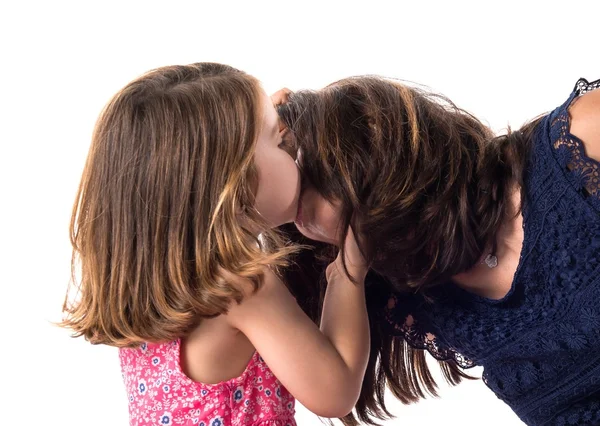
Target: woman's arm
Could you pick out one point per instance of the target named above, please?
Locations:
(323, 369)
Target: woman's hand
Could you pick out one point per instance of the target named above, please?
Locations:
(279, 98)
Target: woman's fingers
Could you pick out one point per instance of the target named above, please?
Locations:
(281, 96)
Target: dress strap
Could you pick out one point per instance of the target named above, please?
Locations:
(583, 86)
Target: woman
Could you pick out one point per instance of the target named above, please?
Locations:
(485, 250)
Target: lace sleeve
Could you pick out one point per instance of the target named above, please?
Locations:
(582, 171)
(406, 317)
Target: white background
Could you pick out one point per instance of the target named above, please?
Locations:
(506, 62)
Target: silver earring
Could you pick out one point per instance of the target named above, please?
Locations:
(491, 261)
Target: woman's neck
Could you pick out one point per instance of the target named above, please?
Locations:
(495, 282)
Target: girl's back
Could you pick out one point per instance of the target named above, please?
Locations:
(161, 393)
(214, 351)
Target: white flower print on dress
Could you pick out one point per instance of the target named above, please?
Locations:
(160, 393)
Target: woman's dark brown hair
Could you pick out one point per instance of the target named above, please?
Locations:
(425, 184)
(165, 206)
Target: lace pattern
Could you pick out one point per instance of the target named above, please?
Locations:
(583, 86)
(416, 335)
(583, 172)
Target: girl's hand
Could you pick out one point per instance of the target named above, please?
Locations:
(323, 369)
(355, 262)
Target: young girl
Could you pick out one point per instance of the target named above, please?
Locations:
(172, 227)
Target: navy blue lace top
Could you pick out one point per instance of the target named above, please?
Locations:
(539, 345)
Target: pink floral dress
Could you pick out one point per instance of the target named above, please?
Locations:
(161, 394)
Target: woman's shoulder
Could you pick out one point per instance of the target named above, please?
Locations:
(566, 151)
(585, 122)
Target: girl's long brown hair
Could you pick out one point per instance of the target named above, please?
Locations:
(427, 186)
(165, 205)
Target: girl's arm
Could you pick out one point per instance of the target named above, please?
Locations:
(323, 369)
